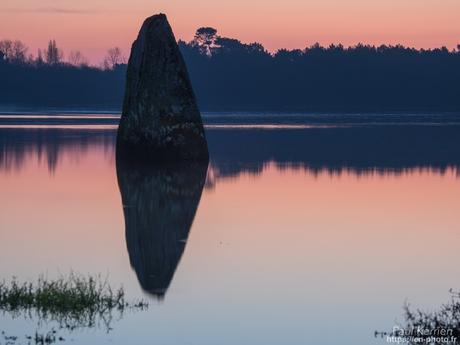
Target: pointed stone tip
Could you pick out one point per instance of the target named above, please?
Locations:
(156, 21)
(157, 17)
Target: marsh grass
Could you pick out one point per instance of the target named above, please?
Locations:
(73, 301)
(447, 317)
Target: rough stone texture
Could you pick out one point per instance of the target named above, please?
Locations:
(160, 118)
(159, 205)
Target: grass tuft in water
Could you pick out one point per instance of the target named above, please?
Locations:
(73, 301)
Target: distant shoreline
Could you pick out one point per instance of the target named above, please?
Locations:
(230, 120)
(113, 110)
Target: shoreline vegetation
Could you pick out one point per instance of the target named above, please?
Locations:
(228, 75)
(439, 326)
(67, 303)
(443, 322)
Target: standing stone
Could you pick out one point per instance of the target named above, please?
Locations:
(160, 119)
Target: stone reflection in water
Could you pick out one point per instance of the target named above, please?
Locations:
(159, 205)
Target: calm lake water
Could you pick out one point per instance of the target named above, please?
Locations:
(303, 229)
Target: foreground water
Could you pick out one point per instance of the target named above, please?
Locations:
(299, 232)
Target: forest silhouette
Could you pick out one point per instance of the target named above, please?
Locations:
(229, 75)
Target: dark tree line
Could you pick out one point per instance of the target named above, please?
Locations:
(230, 75)
(50, 79)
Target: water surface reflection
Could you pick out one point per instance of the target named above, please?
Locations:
(159, 205)
(359, 149)
(295, 231)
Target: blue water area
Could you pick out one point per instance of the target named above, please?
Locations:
(302, 229)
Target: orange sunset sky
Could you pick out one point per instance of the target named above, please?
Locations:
(92, 26)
